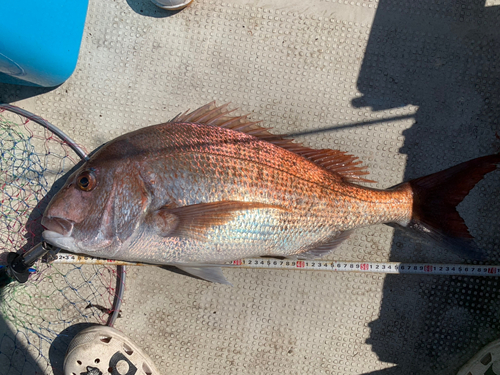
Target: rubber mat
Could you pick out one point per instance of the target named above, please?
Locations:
(411, 87)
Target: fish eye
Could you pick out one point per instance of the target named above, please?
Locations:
(86, 181)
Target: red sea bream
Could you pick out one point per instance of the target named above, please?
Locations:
(209, 188)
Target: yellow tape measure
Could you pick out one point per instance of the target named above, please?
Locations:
(321, 265)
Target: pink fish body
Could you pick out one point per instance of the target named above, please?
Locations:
(209, 188)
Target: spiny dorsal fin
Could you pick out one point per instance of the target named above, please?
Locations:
(210, 114)
(346, 165)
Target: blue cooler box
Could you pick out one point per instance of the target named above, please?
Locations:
(40, 40)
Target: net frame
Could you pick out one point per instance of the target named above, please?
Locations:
(37, 318)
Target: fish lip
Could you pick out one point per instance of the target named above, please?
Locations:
(58, 225)
(59, 240)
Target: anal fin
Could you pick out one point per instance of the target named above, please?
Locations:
(325, 247)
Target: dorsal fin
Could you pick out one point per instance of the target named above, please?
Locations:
(346, 165)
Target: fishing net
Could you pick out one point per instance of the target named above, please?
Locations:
(38, 318)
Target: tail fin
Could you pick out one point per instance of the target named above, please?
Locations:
(435, 198)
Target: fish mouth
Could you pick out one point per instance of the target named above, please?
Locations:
(59, 240)
(58, 225)
(58, 232)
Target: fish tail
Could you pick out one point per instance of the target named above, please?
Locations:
(435, 198)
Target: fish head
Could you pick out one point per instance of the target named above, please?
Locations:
(100, 206)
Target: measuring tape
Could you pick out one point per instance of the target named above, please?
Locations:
(377, 267)
(320, 265)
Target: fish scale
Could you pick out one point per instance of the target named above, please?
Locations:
(207, 187)
(251, 170)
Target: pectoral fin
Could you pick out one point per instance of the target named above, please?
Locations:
(193, 221)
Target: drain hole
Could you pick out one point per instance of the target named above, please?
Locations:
(486, 359)
(127, 350)
(146, 369)
(79, 362)
(97, 360)
(105, 339)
